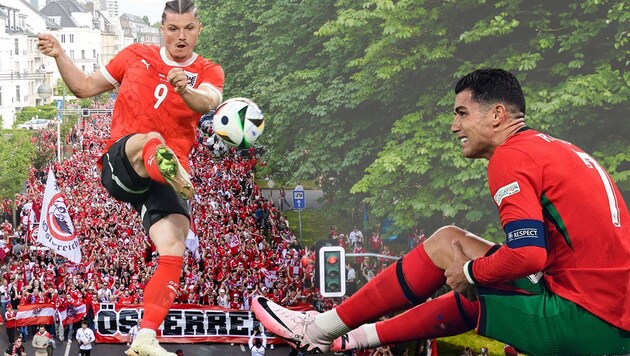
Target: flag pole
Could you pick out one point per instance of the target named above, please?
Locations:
(29, 229)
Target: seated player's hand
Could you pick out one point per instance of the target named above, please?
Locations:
(454, 274)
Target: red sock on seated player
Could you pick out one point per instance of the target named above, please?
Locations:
(386, 293)
(446, 315)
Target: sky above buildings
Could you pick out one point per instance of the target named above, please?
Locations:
(151, 8)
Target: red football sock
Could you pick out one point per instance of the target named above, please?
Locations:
(161, 290)
(150, 164)
(436, 318)
(384, 293)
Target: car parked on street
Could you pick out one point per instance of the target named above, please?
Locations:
(35, 124)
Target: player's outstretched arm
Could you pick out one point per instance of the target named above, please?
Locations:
(82, 85)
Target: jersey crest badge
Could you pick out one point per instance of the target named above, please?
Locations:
(505, 192)
(192, 78)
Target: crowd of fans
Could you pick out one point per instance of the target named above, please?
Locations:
(245, 245)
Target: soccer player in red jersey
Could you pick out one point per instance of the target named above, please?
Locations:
(558, 285)
(162, 94)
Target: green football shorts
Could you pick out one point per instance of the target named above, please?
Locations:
(545, 324)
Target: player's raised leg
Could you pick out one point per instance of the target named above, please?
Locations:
(407, 283)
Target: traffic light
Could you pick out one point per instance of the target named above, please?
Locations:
(332, 271)
(85, 112)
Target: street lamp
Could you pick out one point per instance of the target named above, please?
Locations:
(44, 91)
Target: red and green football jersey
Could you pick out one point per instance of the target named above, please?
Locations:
(553, 195)
(147, 102)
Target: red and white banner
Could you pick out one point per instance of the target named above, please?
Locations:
(72, 314)
(184, 324)
(55, 227)
(35, 314)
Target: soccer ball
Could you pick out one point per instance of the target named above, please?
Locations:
(238, 122)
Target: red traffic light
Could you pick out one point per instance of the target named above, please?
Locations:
(332, 260)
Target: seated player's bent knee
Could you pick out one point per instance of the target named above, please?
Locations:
(444, 236)
(439, 245)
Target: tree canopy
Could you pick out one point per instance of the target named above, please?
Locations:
(16, 154)
(358, 95)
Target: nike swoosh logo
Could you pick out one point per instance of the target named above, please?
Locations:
(263, 303)
(297, 343)
(344, 339)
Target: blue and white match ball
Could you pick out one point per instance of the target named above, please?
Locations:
(239, 122)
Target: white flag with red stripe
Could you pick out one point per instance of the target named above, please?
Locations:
(192, 243)
(55, 226)
(192, 240)
(73, 314)
(35, 314)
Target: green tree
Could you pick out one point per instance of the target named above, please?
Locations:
(16, 153)
(358, 94)
(571, 58)
(47, 112)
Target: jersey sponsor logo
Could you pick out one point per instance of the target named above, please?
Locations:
(145, 63)
(506, 191)
(192, 78)
(522, 234)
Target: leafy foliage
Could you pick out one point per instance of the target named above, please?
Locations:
(47, 112)
(16, 152)
(358, 94)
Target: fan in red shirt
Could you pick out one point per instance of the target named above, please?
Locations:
(235, 302)
(125, 298)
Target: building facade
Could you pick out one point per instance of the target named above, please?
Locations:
(91, 34)
(22, 67)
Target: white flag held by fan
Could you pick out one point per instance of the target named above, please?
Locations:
(55, 227)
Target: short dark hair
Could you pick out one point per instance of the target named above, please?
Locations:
(179, 7)
(491, 86)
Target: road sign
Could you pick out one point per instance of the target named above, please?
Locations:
(60, 108)
(299, 201)
(112, 95)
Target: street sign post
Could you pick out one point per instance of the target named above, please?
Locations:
(299, 201)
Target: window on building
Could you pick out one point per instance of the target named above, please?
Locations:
(17, 47)
(93, 53)
(17, 93)
(82, 54)
(71, 38)
(0, 96)
(71, 54)
(63, 38)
